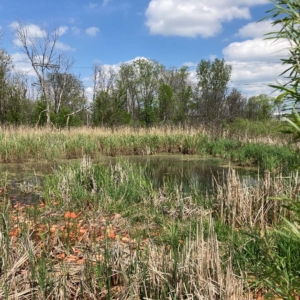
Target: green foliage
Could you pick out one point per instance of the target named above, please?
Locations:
(260, 107)
(166, 102)
(259, 128)
(40, 112)
(286, 14)
(60, 119)
(273, 256)
(271, 260)
(109, 109)
(213, 78)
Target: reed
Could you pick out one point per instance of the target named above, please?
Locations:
(241, 204)
(106, 232)
(23, 144)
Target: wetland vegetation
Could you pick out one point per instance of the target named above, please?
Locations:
(105, 230)
(97, 230)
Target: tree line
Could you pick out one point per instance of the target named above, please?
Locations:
(139, 93)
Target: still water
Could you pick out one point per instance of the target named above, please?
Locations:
(23, 179)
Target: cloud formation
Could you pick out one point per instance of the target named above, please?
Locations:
(22, 64)
(256, 61)
(33, 31)
(61, 46)
(257, 29)
(191, 18)
(62, 30)
(92, 31)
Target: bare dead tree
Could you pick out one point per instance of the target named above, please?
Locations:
(39, 46)
(59, 80)
(103, 79)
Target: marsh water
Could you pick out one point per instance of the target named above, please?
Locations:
(23, 179)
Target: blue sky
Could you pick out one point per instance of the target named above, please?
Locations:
(173, 32)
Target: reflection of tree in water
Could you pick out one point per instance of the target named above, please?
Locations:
(185, 172)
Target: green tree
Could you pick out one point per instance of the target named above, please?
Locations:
(235, 104)
(178, 80)
(260, 107)
(15, 107)
(213, 78)
(140, 80)
(165, 102)
(109, 109)
(5, 67)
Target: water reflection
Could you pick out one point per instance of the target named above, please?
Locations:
(184, 170)
(23, 179)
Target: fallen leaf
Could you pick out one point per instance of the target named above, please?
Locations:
(76, 251)
(61, 255)
(53, 228)
(99, 238)
(82, 230)
(14, 232)
(110, 232)
(71, 258)
(70, 215)
(80, 261)
(125, 239)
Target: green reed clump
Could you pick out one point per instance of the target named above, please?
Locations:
(221, 147)
(267, 157)
(271, 261)
(18, 146)
(77, 184)
(250, 129)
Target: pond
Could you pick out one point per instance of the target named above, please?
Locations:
(24, 179)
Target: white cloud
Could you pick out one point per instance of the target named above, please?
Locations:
(256, 62)
(33, 31)
(191, 18)
(89, 93)
(61, 46)
(62, 30)
(257, 50)
(257, 29)
(22, 64)
(92, 31)
(189, 64)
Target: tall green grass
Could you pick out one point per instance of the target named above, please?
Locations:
(19, 146)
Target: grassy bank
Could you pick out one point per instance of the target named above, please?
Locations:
(107, 233)
(22, 144)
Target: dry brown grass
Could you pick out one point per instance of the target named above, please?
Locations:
(242, 204)
(129, 269)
